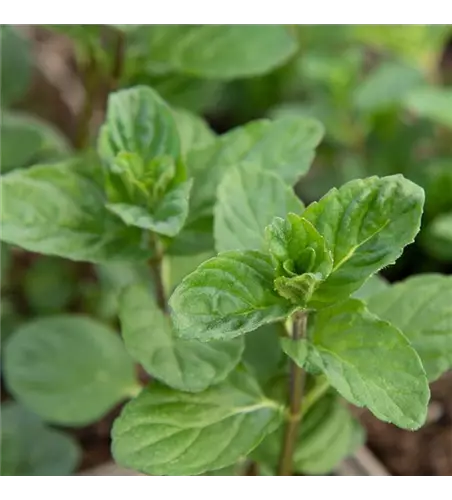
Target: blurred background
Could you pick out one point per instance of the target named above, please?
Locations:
(384, 96)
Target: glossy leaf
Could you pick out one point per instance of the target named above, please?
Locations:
(187, 365)
(366, 224)
(59, 210)
(68, 369)
(167, 432)
(421, 307)
(370, 363)
(248, 200)
(227, 296)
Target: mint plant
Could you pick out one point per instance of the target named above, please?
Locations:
(260, 317)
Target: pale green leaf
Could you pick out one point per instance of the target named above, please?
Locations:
(26, 140)
(187, 365)
(285, 147)
(167, 432)
(227, 296)
(386, 86)
(421, 307)
(219, 51)
(68, 369)
(194, 132)
(167, 217)
(30, 448)
(372, 286)
(16, 65)
(297, 350)
(366, 224)
(138, 121)
(434, 103)
(370, 363)
(248, 200)
(60, 210)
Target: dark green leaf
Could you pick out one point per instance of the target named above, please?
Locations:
(437, 238)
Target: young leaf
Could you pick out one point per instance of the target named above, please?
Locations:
(60, 210)
(227, 296)
(167, 432)
(30, 448)
(366, 223)
(300, 256)
(68, 369)
(138, 121)
(421, 307)
(166, 217)
(187, 365)
(285, 147)
(248, 200)
(370, 363)
(328, 435)
(219, 51)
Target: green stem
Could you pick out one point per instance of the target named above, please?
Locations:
(311, 398)
(297, 382)
(155, 264)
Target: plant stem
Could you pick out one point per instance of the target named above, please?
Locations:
(297, 382)
(84, 122)
(155, 264)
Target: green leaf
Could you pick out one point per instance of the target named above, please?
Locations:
(437, 238)
(248, 200)
(26, 140)
(175, 268)
(325, 439)
(300, 256)
(220, 51)
(285, 147)
(187, 365)
(49, 285)
(365, 223)
(167, 217)
(30, 448)
(16, 63)
(434, 103)
(372, 286)
(370, 363)
(386, 86)
(196, 237)
(421, 307)
(138, 121)
(167, 432)
(263, 355)
(227, 296)
(68, 369)
(60, 210)
(297, 350)
(194, 132)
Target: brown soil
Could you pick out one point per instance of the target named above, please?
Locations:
(426, 452)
